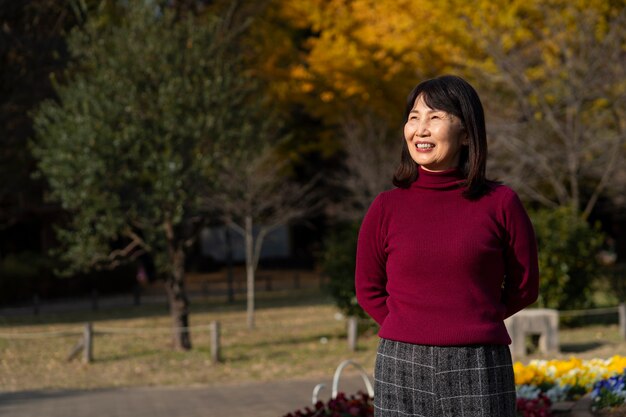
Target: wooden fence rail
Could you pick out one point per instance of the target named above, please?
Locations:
(86, 341)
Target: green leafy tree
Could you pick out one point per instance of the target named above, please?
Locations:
(568, 264)
(148, 106)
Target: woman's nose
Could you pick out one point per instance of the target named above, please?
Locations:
(422, 128)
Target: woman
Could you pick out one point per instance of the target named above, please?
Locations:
(442, 260)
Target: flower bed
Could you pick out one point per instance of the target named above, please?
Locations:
(360, 405)
(541, 383)
(610, 393)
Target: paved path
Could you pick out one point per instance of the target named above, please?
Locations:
(244, 400)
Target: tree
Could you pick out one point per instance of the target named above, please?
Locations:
(254, 196)
(372, 151)
(342, 57)
(141, 117)
(552, 68)
(555, 82)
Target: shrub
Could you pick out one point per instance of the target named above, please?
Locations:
(338, 263)
(568, 246)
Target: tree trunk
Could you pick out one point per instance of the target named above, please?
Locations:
(178, 301)
(250, 271)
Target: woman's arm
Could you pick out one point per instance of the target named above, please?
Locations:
(370, 274)
(521, 283)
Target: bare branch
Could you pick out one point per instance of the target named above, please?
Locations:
(565, 83)
(371, 155)
(136, 242)
(235, 226)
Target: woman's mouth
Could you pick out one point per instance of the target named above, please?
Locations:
(424, 146)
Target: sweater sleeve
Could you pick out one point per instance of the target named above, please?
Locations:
(370, 274)
(521, 283)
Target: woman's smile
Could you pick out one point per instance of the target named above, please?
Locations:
(424, 146)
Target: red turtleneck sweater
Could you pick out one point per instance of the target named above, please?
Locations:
(434, 268)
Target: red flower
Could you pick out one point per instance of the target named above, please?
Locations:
(538, 407)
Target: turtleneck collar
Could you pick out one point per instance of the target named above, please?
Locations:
(448, 179)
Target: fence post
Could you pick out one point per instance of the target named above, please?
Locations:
(352, 333)
(88, 343)
(215, 341)
(622, 319)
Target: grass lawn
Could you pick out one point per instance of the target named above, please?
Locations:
(298, 335)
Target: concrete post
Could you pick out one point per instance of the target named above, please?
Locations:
(352, 333)
(215, 341)
(88, 343)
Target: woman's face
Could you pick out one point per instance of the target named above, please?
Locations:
(434, 137)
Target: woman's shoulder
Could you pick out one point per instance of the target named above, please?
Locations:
(503, 197)
(499, 190)
(386, 198)
(390, 193)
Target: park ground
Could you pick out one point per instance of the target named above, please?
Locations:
(299, 336)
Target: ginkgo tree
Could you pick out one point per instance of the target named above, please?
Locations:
(345, 56)
(550, 74)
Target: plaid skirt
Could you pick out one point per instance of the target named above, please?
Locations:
(443, 381)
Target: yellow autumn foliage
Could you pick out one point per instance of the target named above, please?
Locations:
(354, 54)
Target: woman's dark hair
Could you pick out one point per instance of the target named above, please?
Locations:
(456, 96)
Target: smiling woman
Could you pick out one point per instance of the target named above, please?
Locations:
(441, 261)
(445, 118)
(434, 138)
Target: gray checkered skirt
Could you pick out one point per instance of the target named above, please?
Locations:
(443, 381)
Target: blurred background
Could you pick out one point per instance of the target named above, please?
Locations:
(188, 145)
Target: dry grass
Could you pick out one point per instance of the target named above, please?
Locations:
(298, 336)
(303, 339)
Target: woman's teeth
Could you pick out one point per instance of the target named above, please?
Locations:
(425, 145)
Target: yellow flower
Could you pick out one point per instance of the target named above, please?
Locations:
(572, 372)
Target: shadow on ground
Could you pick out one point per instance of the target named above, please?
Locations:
(580, 347)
